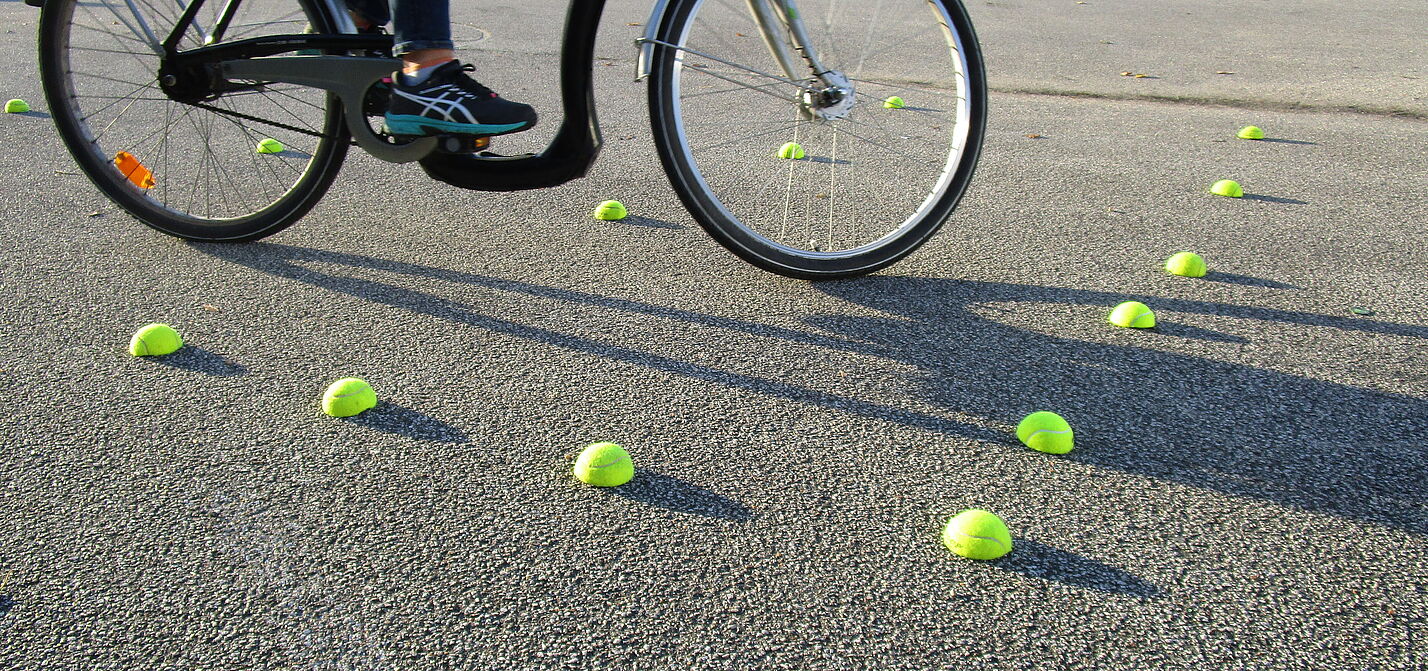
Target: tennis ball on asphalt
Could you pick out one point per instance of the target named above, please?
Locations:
(1250, 133)
(1132, 314)
(1185, 264)
(1046, 432)
(610, 210)
(270, 146)
(347, 397)
(604, 465)
(977, 534)
(894, 103)
(155, 340)
(16, 106)
(1228, 188)
(791, 150)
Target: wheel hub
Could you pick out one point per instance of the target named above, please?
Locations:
(834, 101)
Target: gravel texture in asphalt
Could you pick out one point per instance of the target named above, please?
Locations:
(1247, 491)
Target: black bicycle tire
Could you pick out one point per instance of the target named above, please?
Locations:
(705, 210)
(331, 150)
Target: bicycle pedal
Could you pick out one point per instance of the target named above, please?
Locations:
(462, 144)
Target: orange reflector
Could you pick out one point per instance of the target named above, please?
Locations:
(133, 170)
(482, 143)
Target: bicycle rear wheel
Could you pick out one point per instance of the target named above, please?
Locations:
(189, 168)
(876, 181)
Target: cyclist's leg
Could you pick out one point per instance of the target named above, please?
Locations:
(433, 95)
(421, 25)
(369, 13)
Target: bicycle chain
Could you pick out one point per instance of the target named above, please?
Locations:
(283, 126)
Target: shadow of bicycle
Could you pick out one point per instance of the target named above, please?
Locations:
(1039, 560)
(671, 493)
(1223, 426)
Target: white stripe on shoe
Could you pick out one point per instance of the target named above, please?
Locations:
(442, 105)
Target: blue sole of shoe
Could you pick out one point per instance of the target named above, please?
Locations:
(410, 124)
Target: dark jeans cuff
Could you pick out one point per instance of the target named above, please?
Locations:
(418, 45)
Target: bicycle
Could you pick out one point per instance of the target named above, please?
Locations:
(161, 105)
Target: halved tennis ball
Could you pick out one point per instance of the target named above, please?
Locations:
(1047, 432)
(1132, 314)
(977, 534)
(16, 106)
(1185, 264)
(270, 146)
(155, 340)
(604, 465)
(347, 397)
(894, 103)
(610, 210)
(792, 150)
(1250, 133)
(1228, 188)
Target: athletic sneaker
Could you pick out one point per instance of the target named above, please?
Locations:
(451, 103)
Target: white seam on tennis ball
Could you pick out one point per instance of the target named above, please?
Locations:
(351, 393)
(145, 345)
(607, 465)
(1033, 433)
(983, 538)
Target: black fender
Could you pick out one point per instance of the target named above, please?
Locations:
(576, 144)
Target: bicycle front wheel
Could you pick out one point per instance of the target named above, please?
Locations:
(886, 101)
(222, 165)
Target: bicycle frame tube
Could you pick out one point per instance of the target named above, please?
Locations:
(335, 9)
(224, 18)
(791, 17)
(770, 27)
(338, 11)
(569, 156)
(776, 19)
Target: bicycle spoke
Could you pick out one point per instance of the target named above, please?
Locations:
(868, 175)
(163, 174)
(750, 136)
(719, 123)
(136, 25)
(117, 99)
(202, 155)
(759, 89)
(111, 123)
(761, 73)
(115, 37)
(104, 51)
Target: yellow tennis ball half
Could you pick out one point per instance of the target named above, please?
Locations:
(1228, 188)
(1185, 264)
(610, 210)
(347, 397)
(16, 106)
(894, 103)
(1046, 432)
(791, 150)
(270, 146)
(1132, 314)
(604, 465)
(155, 340)
(1250, 133)
(977, 534)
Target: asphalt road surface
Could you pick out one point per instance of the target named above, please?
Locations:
(1248, 489)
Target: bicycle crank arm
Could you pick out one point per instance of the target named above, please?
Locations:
(348, 78)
